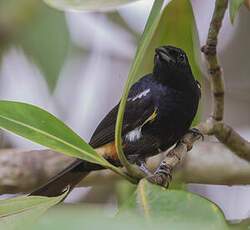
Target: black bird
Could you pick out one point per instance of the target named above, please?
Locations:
(159, 111)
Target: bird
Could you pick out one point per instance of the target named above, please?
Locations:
(159, 111)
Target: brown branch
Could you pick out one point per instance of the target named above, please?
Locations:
(206, 163)
(210, 163)
(226, 135)
(22, 171)
(173, 158)
(214, 69)
(214, 126)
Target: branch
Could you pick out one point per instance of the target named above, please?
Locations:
(226, 135)
(209, 163)
(214, 70)
(22, 171)
(214, 125)
(173, 158)
(206, 163)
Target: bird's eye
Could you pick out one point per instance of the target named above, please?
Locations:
(181, 58)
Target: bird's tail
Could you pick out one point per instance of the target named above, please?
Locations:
(71, 176)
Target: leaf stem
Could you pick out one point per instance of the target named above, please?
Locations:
(124, 175)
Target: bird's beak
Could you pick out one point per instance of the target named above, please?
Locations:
(164, 54)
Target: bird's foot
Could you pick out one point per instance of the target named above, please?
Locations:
(162, 176)
(196, 132)
(143, 167)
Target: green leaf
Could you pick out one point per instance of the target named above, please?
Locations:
(27, 23)
(175, 208)
(21, 211)
(123, 190)
(14, 17)
(234, 7)
(140, 53)
(46, 41)
(43, 128)
(86, 5)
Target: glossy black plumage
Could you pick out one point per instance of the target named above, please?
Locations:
(159, 111)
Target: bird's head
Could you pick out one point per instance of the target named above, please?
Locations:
(171, 67)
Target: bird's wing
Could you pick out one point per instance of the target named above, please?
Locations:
(139, 109)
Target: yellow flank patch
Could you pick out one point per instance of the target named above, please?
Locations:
(153, 116)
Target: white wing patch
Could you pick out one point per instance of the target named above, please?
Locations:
(140, 95)
(134, 135)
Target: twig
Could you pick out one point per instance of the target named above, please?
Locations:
(173, 158)
(214, 70)
(226, 135)
(214, 125)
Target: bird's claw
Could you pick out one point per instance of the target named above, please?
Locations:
(162, 177)
(196, 132)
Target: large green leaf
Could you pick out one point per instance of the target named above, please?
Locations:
(234, 7)
(17, 213)
(83, 217)
(175, 208)
(86, 5)
(42, 127)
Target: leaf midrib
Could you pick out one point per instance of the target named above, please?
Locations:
(53, 137)
(144, 200)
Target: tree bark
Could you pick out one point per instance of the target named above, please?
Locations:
(207, 163)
